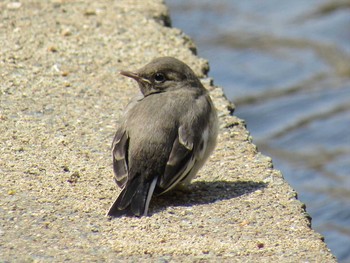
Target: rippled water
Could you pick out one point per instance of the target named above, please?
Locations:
(286, 66)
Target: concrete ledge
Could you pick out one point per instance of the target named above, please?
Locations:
(60, 98)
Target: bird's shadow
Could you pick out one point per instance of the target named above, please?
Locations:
(200, 192)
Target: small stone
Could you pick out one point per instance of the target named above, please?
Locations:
(64, 73)
(74, 178)
(11, 192)
(260, 245)
(90, 13)
(244, 223)
(14, 5)
(52, 49)
(66, 32)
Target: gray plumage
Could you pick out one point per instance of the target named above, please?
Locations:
(164, 137)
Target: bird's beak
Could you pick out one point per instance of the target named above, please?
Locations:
(134, 76)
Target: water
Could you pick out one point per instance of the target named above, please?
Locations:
(286, 66)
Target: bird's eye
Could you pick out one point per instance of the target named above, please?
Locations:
(159, 77)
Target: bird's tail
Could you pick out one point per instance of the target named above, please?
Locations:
(134, 198)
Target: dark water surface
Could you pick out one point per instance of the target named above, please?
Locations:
(286, 66)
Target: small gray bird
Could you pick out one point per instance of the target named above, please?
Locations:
(164, 137)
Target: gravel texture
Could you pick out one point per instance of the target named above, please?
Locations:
(60, 99)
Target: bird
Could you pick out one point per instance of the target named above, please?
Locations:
(164, 137)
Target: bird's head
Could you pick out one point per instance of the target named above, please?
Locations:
(164, 74)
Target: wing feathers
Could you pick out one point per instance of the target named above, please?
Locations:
(185, 138)
(120, 157)
(180, 161)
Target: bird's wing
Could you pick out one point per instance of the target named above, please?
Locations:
(136, 194)
(120, 157)
(181, 159)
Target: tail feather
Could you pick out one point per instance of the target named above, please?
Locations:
(143, 197)
(134, 198)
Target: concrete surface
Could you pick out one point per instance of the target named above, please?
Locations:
(60, 99)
